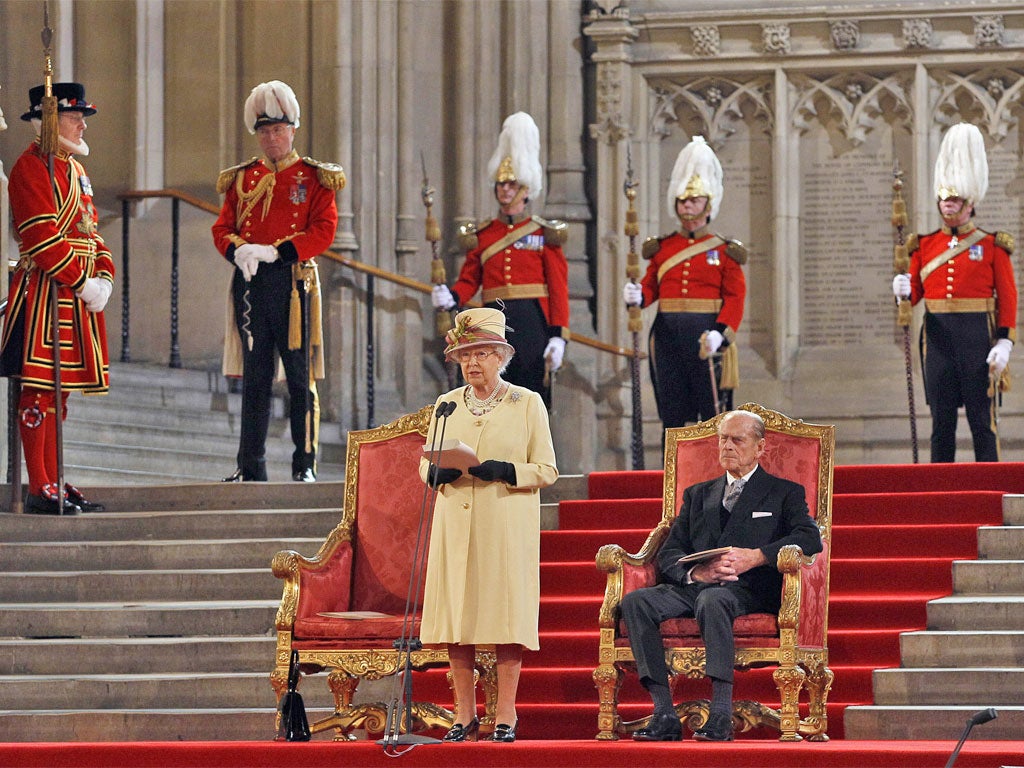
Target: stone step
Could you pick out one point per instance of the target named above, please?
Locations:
(930, 722)
(147, 691)
(134, 656)
(188, 461)
(141, 526)
(1004, 542)
(982, 686)
(972, 613)
(142, 619)
(1013, 509)
(88, 725)
(961, 649)
(158, 554)
(988, 577)
(96, 585)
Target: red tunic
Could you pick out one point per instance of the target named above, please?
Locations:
(290, 208)
(984, 271)
(527, 260)
(709, 274)
(58, 240)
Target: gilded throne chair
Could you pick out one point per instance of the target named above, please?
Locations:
(794, 641)
(343, 608)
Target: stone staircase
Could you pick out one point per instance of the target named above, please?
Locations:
(970, 657)
(162, 425)
(153, 620)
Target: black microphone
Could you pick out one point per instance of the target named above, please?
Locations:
(976, 719)
(408, 642)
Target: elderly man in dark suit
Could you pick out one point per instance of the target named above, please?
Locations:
(753, 513)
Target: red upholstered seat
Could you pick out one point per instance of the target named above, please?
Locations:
(795, 640)
(363, 568)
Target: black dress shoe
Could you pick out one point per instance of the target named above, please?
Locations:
(460, 732)
(505, 733)
(47, 504)
(663, 727)
(306, 475)
(234, 477)
(717, 728)
(75, 496)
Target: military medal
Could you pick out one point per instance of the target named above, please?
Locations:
(530, 243)
(976, 253)
(85, 184)
(953, 242)
(297, 192)
(713, 259)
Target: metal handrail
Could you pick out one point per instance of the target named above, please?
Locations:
(177, 197)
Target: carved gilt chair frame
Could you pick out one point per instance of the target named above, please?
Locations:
(799, 649)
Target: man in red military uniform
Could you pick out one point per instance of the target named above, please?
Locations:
(517, 259)
(58, 241)
(697, 280)
(279, 213)
(965, 277)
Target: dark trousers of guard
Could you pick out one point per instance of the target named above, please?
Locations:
(682, 381)
(269, 297)
(956, 374)
(528, 335)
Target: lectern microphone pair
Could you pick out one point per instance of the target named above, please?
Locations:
(399, 706)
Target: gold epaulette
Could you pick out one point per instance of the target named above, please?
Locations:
(912, 242)
(555, 232)
(652, 245)
(330, 175)
(468, 239)
(227, 177)
(736, 250)
(1005, 241)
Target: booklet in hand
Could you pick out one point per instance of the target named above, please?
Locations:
(453, 454)
(703, 555)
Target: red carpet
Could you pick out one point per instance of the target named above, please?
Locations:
(536, 754)
(876, 511)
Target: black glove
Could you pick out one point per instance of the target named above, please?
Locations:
(492, 470)
(440, 475)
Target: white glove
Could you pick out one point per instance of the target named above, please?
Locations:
(713, 340)
(554, 352)
(441, 297)
(901, 286)
(246, 260)
(633, 294)
(266, 253)
(999, 356)
(95, 293)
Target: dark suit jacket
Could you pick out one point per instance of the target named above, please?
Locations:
(769, 514)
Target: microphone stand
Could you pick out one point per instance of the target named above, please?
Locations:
(408, 642)
(977, 719)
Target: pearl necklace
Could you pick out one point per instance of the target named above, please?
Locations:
(479, 407)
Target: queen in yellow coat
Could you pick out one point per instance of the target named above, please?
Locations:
(483, 565)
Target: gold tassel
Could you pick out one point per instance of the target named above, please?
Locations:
(904, 313)
(632, 226)
(636, 320)
(900, 258)
(295, 320)
(316, 328)
(899, 212)
(437, 272)
(433, 230)
(49, 133)
(730, 368)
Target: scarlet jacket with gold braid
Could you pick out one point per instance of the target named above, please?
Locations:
(289, 205)
(712, 276)
(970, 280)
(521, 259)
(58, 240)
